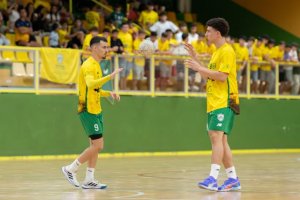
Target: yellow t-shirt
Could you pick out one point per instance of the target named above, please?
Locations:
(218, 92)
(242, 55)
(136, 45)
(267, 52)
(89, 97)
(62, 34)
(148, 17)
(164, 46)
(3, 4)
(200, 47)
(256, 52)
(126, 39)
(92, 18)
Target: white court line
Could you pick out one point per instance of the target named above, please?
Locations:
(130, 196)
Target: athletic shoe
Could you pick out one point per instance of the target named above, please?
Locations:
(71, 177)
(94, 184)
(230, 184)
(209, 183)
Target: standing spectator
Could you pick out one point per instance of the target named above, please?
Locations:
(115, 43)
(193, 36)
(23, 30)
(117, 16)
(296, 70)
(164, 65)
(54, 36)
(93, 17)
(126, 63)
(30, 11)
(242, 57)
(148, 17)
(63, 35)
(139, 63)
(163, 24)
(132, 13)
(257, 56)
(182, 29)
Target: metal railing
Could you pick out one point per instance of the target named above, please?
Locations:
(37, 86)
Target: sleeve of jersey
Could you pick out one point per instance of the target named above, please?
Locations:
(95, 83)
(227, 62)
(104, 93)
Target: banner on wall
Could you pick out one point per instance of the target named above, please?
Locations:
(60, 65)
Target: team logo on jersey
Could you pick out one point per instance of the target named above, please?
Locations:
(220, 117)
(60, 58)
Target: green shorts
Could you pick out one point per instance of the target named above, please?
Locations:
(92, 124)
(220, 120)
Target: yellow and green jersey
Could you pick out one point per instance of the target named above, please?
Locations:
(219, 92)
(90, 83)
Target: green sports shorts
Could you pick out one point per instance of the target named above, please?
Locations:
(92, 124)
(220, 120)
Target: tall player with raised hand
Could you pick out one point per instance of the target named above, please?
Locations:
(91, 81)
(222, 102)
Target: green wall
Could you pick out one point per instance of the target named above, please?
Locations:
(48, 124)
(242, 21)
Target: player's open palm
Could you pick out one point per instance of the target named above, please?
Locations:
(191, 51)
(192, 64)
(115, 96)
(116, 71)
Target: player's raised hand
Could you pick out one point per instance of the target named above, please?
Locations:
(191, 51)
(115, 96)
(116, 71)
(192, 64)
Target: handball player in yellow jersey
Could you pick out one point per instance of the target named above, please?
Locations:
(222, 102)
(90, 112)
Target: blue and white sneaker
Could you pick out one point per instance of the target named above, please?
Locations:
(209, 183)
(230, 184)
(94, 184)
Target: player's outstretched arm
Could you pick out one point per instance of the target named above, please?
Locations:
(204, 72)
(91, 82)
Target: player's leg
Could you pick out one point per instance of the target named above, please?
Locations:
(232, 183)
(90, 182)
(210, 183)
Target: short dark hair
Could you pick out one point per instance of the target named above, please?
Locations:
(97, 39)
(153, 34)
(162, 14)
(106, 30)
(94, 29)
(220, 24)
(164, 35)
(184, 36)
(115, 31)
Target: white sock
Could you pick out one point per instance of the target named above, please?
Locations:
(74, 166)
(231, 173)
(89, 176)
(214, 170)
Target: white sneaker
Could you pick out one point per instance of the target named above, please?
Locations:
(94, 184)
(71, 177)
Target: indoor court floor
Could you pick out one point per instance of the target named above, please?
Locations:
(263, 177)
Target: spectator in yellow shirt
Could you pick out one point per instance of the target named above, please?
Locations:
(93, 17)
(242, 57)
(257, 53)
(139, 63)
(148, 17)
(126, 63)
(164, 65)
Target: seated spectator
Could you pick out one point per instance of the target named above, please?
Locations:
(117, 16)
(3, 40)
(23, 30)
(30, 11)
(132, 13)
(14, 15)
(54, 36)
(3, 28)
(77, 41)
(148, 17)
(63, 35)
(39, 21)
(163, 24)
(78, 27)
(53, 17)
(65, 16)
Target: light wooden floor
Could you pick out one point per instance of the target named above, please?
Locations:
(274, 176)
